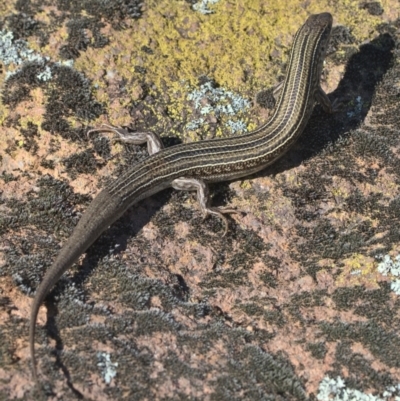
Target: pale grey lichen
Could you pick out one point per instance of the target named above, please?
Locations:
(195, 124)
(356, 272)
(202, 6)
(387, 266)
(17, 52)
(45, 75)
(395, 286)
(107, 367)
(236, 126)
(219, 102)
(392, 391)
(66, 63)
(335, 390)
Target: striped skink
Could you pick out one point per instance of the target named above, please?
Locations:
(192, 166)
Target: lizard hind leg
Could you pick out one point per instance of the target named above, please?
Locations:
(192, 184)
(153, 141)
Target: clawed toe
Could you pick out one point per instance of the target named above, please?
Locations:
(219, 212)
(108, 128)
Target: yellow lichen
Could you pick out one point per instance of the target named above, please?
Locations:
(358, 270)
(4, 112)
(241, 45)
(238, 38)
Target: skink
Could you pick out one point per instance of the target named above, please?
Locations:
(192, 166)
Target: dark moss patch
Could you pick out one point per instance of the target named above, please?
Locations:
(81, 163)
(269, 279)
(53, 211)
(101, 146)
(114, 11)
(251, 309)
(29, 135)
(318, 350)
(373, 304)
(22, 25)
(8, 177)
(47, 164)
(327, 242)
(305, 299)
(373, 7)
(363, 375)
(68, 94)
(78, 39)
(381, 343)
(249, 369)
(266, 99)
(308, 195)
